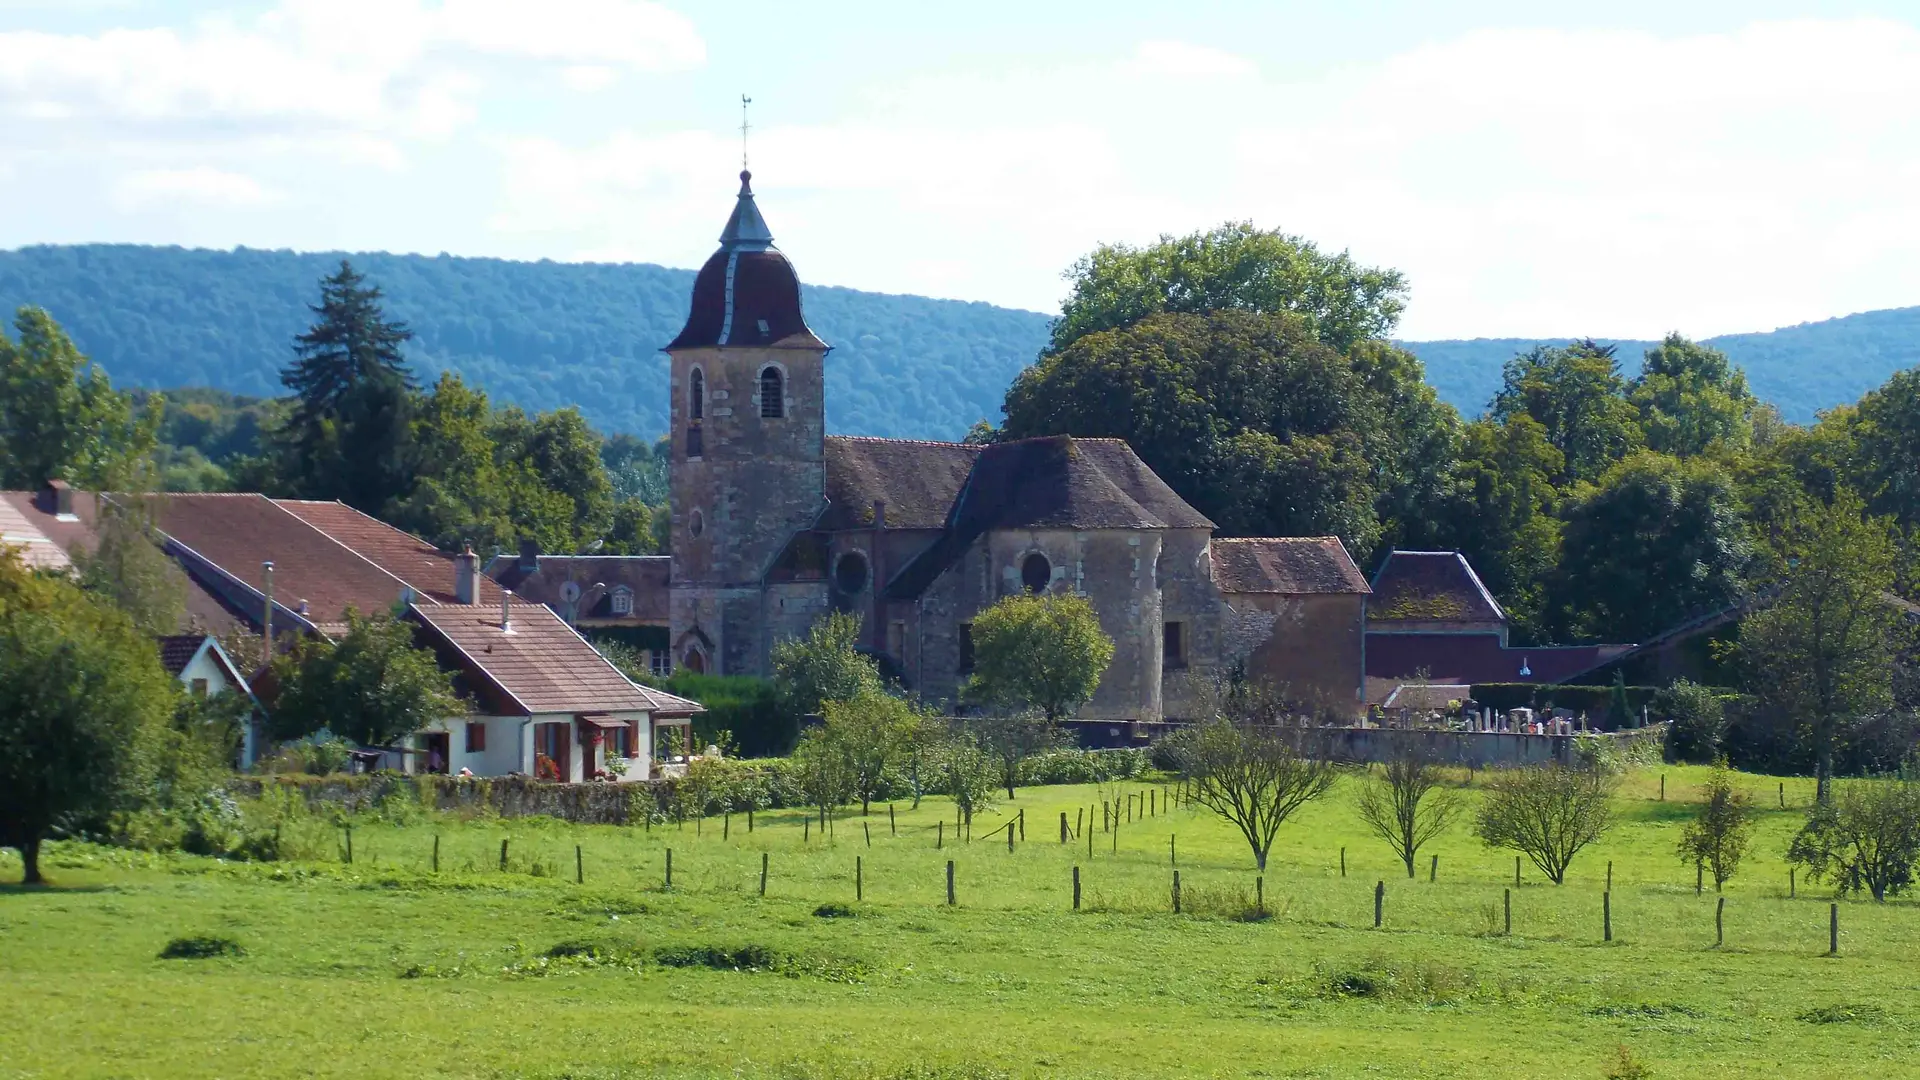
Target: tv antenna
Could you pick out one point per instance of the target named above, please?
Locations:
(744, 102)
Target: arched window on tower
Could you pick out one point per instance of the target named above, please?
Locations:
(697, 396)
(773, 394)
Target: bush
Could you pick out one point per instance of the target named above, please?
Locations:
(744, 707)
(1699, 721)
(201, 948)
(1073, 766)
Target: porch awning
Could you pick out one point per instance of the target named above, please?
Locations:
(603, 721)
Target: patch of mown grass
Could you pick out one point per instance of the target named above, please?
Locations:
(1845, 1014)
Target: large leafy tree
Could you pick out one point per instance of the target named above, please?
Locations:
(1655, 540)
(1504, 512)
(346, 436)
(826, 665)
(1884, 459)
(1235, 267)
(1821, 651)
(1045, 653)
(61, 418)
(1578, 396)
(82, 698)
(1255, 422)
(1691, 398)
(373, 685)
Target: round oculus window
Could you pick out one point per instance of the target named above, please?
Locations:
(1036, 573)
(697, 524)
(850, 573)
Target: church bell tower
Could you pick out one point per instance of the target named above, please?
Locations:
(749, 430)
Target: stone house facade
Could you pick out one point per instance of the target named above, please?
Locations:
(774, 523)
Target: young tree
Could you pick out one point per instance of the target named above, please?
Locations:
(1822, 651)
(1012, 737)
(128, 570)
(1717, 836)
(826, 771)
(82, 696)
(1866, 837)
(347, 435)
(372, 686)
(1045, 652)
(1249, 773)
(60, 417)
(1406, 805)
(824, 666)
(966, 771)
(873, 731)
(1547, 813)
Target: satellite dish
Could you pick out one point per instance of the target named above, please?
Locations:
(570, 591)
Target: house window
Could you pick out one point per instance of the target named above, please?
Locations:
(622, 601)
(966, 648)
(1036, 573)
(773, 394)
(476, 738)
(696, 446)
(659, 662)
(697, 396)
(850, 573)
(697, 524)
(1173, 641)
(199, 687)
(615, 741)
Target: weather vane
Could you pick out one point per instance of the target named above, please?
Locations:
(744, 102)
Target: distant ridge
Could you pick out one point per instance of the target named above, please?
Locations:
(545, 334)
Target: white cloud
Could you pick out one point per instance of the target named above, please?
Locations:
(1183, 59)
(588, 78)
(203, 184)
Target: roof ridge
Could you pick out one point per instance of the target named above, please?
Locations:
(909, 442)
(1271, 539)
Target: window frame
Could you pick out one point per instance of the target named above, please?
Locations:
(476, 745)
(774, 407)
(1027, 576)
(697, 395)
(1173, 645)
(620, 602)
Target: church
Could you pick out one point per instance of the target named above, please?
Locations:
(775, 523)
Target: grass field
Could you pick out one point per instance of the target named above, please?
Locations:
(386, 968)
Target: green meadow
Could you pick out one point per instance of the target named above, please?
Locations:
(386, 966)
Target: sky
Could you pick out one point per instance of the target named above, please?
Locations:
(1535, 169)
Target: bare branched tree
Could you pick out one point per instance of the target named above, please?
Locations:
(1547, 813)
(1243, 766)
(1407, 805)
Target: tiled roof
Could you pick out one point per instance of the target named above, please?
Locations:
(1430, 586)
(404, 556)
(646, 576)
(1478, 658)
(1057, 482)
(19, 532)
(917, 480)
(543, 666)
(1287, 565)
(178, 650)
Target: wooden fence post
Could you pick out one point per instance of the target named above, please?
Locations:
(949, 882)
(1260, 894)
(1609, 875)
(1076, 888)
(1506, 906)
(1176, 892)
(1719, 923)
(1009, 837)
(1343, 862)
(579, 866)
(1663, 787)
(859, 880)
(436, 853)
(893, 827)
(939, 834)
(349, 845)
(1793, 889)
(1433, 870)
(749, 819)
(1699, 877)
(1173, 858)
(869, 831)
(726, 825)
(1516, 871)
(1606, 916)
(1063, 826)
(1023, 824)
(1153, 802)
(763, 874)
(1783, 794)
(806, 829)
(503, 855)
(1833, 929)
(1379, 900)
(1079, 820)
(1089, 843)
(669, 868)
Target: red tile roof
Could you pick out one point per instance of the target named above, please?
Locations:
(542, 665)
(178, 650)
(404, 556)
(1286, 565)
(1478, 658)
(917, 480)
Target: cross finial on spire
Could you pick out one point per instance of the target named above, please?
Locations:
(744, 102)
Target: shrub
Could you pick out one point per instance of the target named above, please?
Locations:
(1074, 766)
(1699, 721)
(833, 911)
(1866, 837)
(201, 948)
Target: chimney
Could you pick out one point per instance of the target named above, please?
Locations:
(56, 498)
(466, 577)
(879, 513)
(529, 556)
(506, 611)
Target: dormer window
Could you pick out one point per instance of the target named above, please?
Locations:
(773, 394)
(697, 396)
(622, 601)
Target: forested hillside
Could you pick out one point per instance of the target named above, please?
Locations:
(538, 335)
(544, 335)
